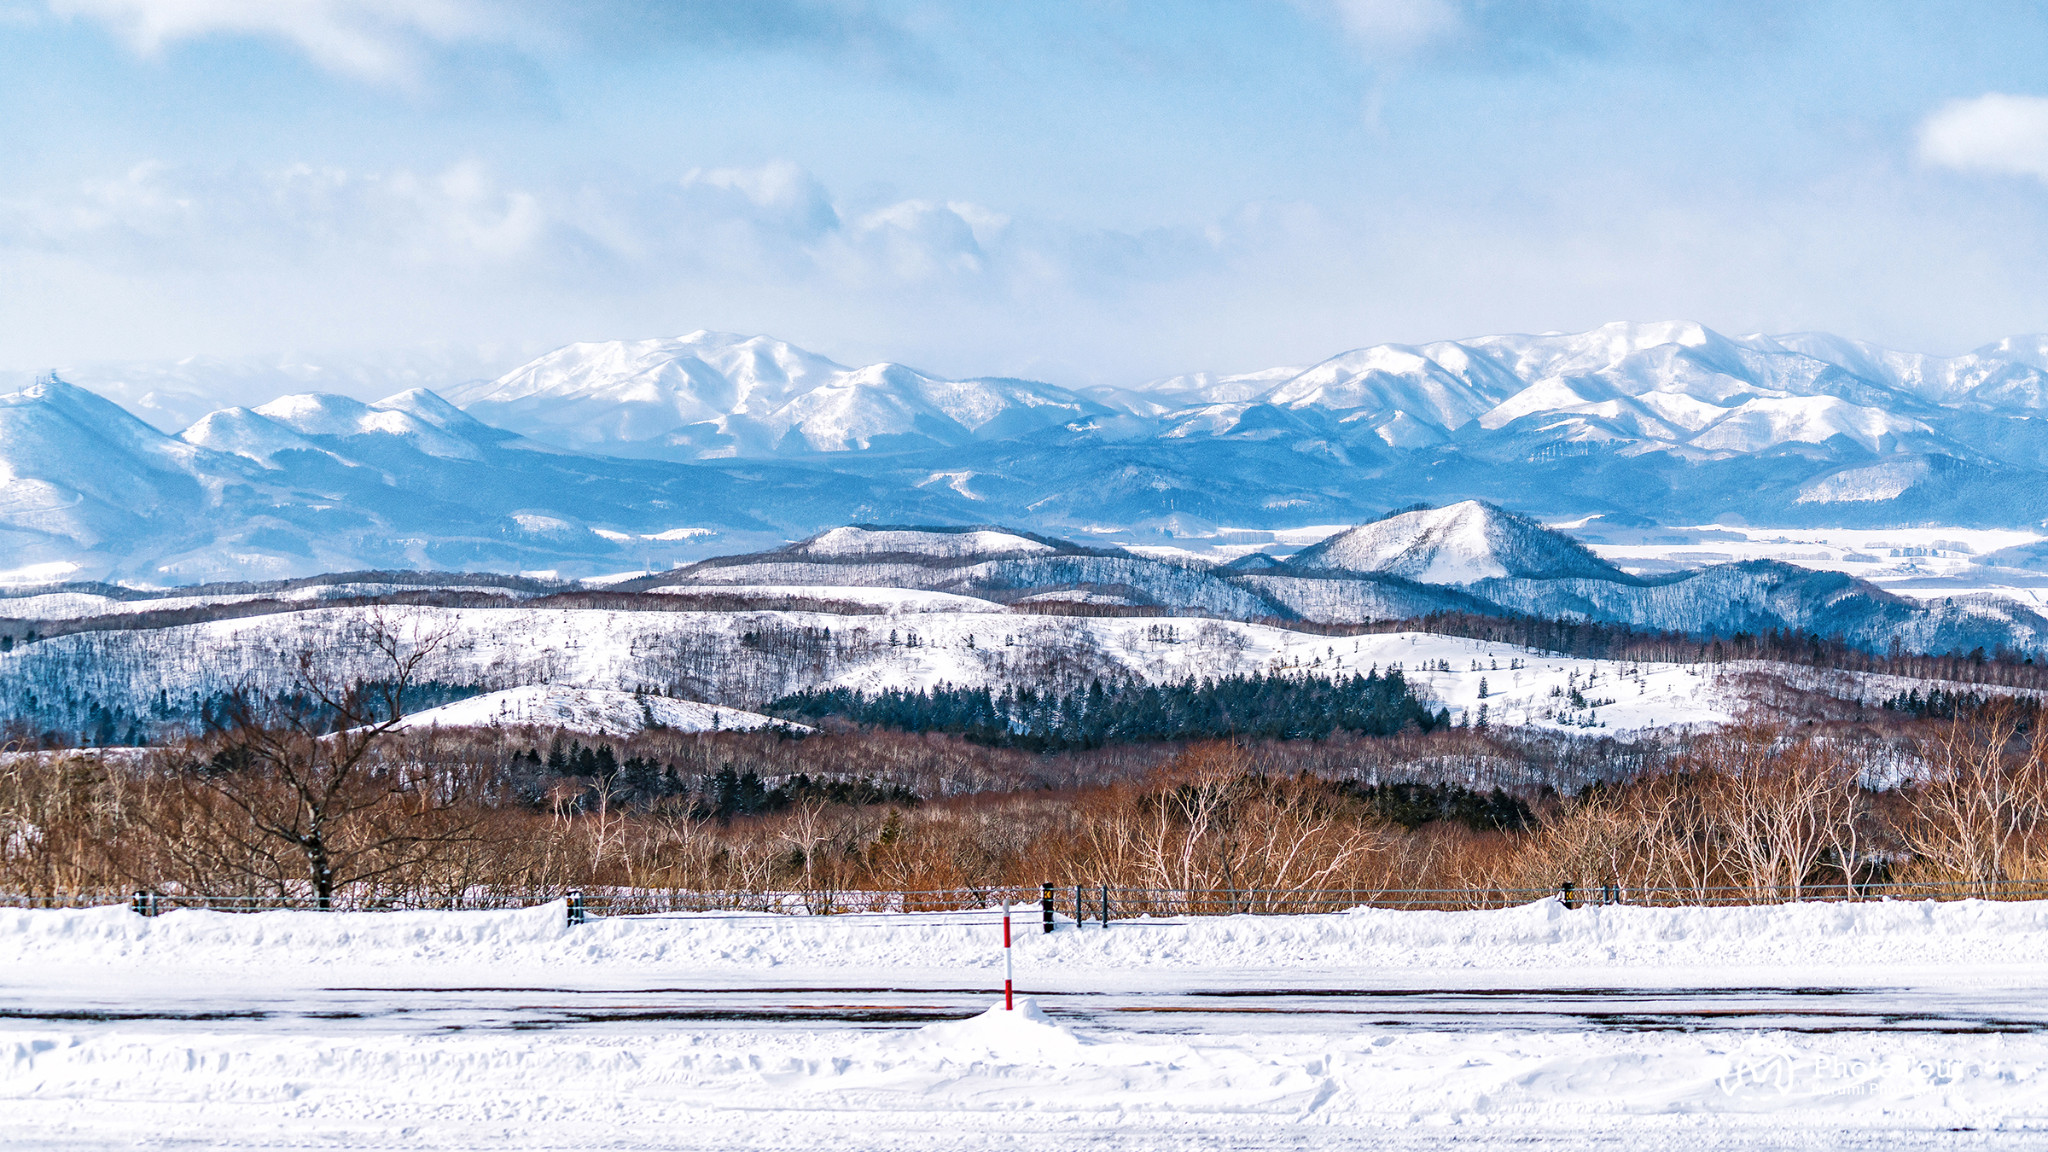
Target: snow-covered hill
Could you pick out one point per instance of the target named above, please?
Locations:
(745, 659)
(1462, 544)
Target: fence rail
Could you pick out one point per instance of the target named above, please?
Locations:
(1086, 904)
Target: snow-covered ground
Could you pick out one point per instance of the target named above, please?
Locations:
(1900, 1025)
(594, 710)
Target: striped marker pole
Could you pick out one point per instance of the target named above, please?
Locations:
(1009, 969)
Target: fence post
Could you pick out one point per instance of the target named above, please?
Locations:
(145, 903)
(575, 907)
(1080, 921)
(1009, 971)
(1564, 893)
(1105, 906)
(1045, 906)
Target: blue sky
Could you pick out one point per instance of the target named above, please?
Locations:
(1087, 192)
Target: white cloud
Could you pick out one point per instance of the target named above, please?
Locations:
(167, 260)
(1992, 133)
(377, 40)
(396, 42)
(155, 215)
(1397, 27)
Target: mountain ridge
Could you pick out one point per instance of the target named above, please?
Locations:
(651, 445)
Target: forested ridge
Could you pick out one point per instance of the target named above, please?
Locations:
(1257, 706)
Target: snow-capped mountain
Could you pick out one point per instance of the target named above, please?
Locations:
(713, 394)
(1673, 387)
(78, 472)
(1462, 544)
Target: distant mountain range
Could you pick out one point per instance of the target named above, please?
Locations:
(321, 483)
(611, 456)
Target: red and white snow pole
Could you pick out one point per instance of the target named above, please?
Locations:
(1009, 969)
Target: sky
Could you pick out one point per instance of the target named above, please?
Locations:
(1081, 191)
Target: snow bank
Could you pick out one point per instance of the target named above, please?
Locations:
(1855, 942)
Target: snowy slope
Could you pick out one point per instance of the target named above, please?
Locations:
(600, 711)
(1462, 544)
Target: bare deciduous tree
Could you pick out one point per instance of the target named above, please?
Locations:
(1985, 794)
(301, 774)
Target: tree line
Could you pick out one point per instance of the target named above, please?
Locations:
(1250, 707)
